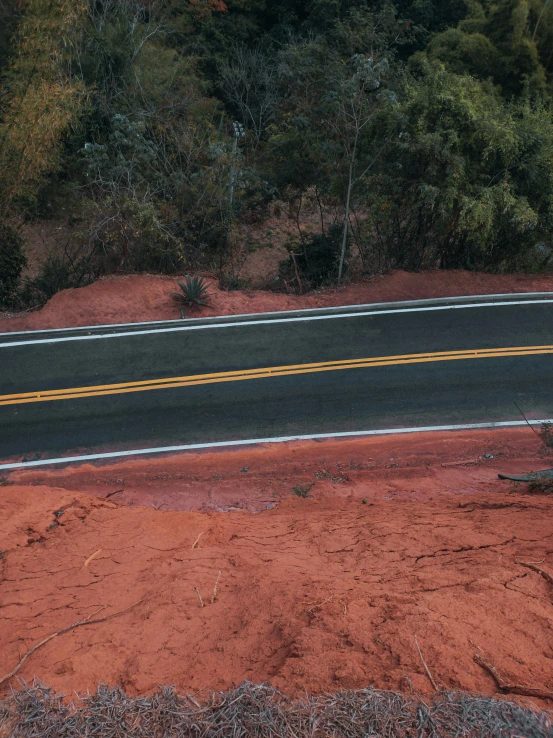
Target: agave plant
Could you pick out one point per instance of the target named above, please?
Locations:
(193, 291)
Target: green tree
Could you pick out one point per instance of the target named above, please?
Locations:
(9, 17)
(468, 183)
(42, 100)
(509, 41)
(324, 137)
(152, 170)
(357, 107)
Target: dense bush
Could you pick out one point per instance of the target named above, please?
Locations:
(314, 261)
(468, 180)
(12, 263)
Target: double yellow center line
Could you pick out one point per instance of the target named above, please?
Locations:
(264, 373)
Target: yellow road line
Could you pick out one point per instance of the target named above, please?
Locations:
(273, 371)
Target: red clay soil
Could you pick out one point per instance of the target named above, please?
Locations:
(397, 537)
(136, 298)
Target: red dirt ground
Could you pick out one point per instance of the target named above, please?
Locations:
(137, 298)
(398, 536)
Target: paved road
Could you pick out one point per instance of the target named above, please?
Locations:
(423, 364)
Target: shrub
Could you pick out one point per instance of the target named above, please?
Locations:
(193, 291)
(12, 263)
(546, 434)
(230, 282)
(75, 263)
(315, 261)
(541, 486)
(302, 490)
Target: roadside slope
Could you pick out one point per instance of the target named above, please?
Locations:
(136, 298)
(314, 594)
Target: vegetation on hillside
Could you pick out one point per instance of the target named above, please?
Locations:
(148, 128)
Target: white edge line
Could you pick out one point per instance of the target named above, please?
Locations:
(422, 301)
(271, 322)
(278, 439)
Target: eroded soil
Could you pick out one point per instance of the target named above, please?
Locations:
(396, 537)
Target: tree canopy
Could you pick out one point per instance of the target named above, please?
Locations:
(151, 128)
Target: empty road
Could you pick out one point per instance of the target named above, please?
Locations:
(362, 368)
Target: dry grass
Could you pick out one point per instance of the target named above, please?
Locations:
(259, 711)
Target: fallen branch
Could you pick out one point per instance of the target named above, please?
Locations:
(427, 670)
(87, 621)
(545, 574)
(509, 687)
(197, 539)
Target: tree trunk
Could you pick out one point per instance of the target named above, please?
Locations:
(231, 175)
(346, 215)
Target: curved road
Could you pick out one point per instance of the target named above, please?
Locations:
(340, 370)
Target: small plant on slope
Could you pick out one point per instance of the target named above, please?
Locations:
(193, 291)
(546, 434)
(301, 490)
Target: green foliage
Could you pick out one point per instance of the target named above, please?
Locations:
(546, 434)
(433, 15)
(9, 18)
(543, 486)
(42, 99)
(193, 291)
(509, 41)
(314, 260)
(230, 282)
(12, 263)
(423, 130)
(302, 490)
(468, 182)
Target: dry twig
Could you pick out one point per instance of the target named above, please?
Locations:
(527, 421)
(319, 604)
(214, 594)
(197, 539)
(86, 621)
(259, 710)
(427, 670)
(506, 686)
(93, 556)
(199, 596)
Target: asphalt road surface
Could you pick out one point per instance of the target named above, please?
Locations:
(141, 386)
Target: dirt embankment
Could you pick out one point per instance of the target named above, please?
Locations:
(138, 298)
(395, 538)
